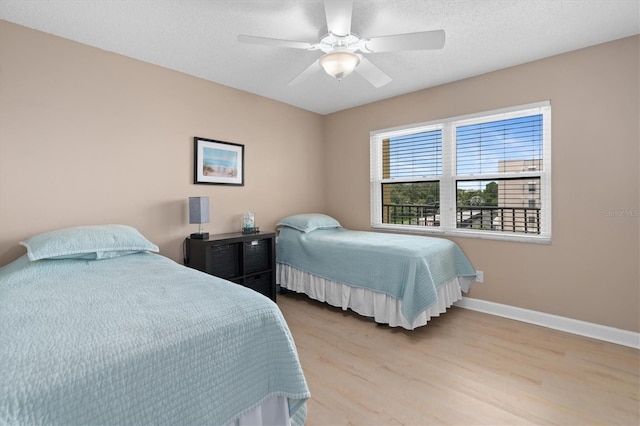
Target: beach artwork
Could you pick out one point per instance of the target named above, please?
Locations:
(217, 162)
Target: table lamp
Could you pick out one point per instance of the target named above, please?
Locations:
(199, 213)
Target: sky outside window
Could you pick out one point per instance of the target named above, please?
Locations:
(480, 147)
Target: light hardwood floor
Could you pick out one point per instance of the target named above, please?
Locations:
(462, 368)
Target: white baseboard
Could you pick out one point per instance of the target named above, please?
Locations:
(582, 328)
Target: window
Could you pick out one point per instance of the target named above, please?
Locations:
(485, 175)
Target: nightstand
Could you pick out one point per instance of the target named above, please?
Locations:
(245, 259)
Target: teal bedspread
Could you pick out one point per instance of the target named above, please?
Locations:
(407, 267)
(138, 340)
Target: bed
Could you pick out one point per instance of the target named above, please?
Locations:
(95, 328)
(399, 280)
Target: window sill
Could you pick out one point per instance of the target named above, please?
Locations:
(460, 233)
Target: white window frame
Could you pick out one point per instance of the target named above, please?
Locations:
(448, 178)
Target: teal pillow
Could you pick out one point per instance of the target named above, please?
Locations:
(93, 242)
(309, 222)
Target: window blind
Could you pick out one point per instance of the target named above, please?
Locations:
(413, 155)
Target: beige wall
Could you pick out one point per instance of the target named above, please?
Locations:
(87, 136)
(590, 271)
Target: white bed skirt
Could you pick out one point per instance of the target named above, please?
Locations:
(272, 411)
(381, 307)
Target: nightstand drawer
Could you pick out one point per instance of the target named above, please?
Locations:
(257, 256)
(225, 261)
(262, 283)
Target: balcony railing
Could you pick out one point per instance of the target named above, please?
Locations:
(411, 214)
(492, 218)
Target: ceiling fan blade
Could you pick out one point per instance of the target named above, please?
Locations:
(372, 73)
(311, 69)
(412, 41)
(265, 41)
(338, 14)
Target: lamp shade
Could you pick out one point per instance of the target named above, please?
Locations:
(339, 64)
(198, 209)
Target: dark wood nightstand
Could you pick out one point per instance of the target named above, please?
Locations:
(245, 259)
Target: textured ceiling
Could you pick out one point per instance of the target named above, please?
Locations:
(199, 38)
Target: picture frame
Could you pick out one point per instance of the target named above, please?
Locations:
(217, 162)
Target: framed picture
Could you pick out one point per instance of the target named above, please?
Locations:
(217, 162)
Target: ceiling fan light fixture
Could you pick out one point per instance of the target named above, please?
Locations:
(339, 64)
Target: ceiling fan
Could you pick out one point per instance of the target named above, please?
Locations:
(341, 46)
